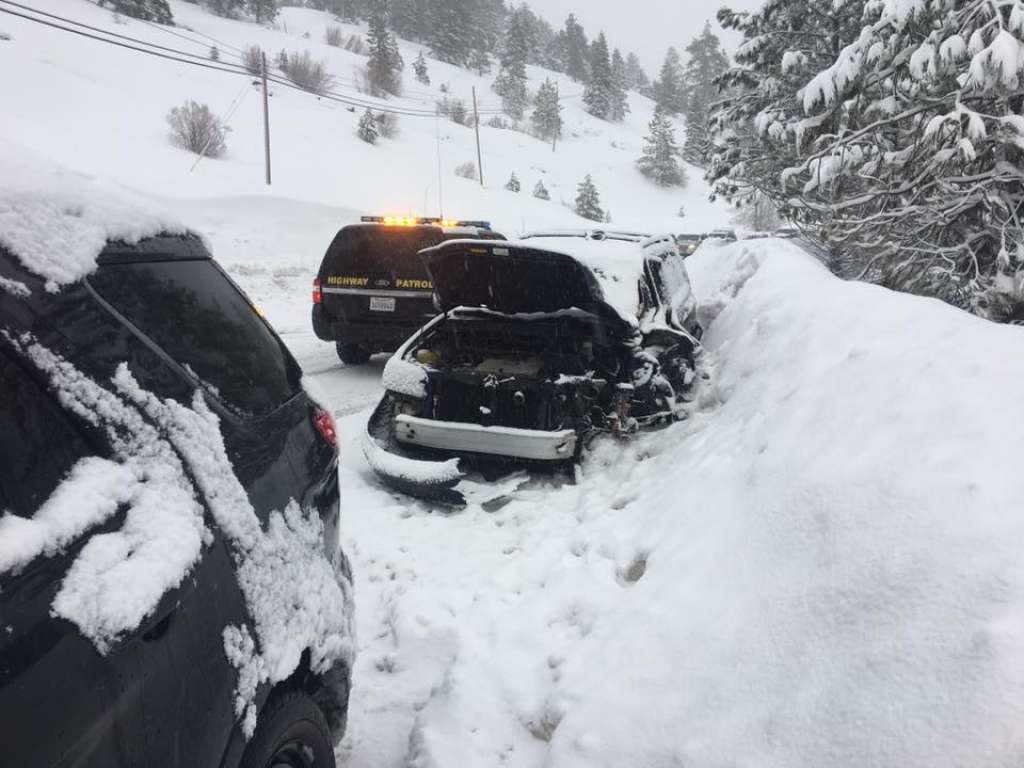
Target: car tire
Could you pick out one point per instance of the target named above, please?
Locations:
(353, 354)
(292, 731)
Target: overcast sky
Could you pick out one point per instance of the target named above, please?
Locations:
(648, 27)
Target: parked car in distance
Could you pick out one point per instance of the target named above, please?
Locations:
(688, 244)
(166, 485)
(543, 344)
(372, 291)
(722, 234)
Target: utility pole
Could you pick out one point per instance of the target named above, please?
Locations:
(266, 120)
(479, 156)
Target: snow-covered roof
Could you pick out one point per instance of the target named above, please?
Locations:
(57, 221)
(616, 263)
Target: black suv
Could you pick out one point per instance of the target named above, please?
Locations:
(373, 291)
(168, 501)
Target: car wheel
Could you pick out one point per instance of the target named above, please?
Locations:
(353, 354)
(291, 732)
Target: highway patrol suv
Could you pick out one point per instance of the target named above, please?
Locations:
(373, 291)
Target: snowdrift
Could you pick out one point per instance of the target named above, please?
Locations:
(821, 568)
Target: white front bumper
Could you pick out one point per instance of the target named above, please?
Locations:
(497, 441)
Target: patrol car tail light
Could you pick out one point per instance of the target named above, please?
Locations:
(324, 423)
(318, 294)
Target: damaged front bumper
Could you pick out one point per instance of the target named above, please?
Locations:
(529, 444)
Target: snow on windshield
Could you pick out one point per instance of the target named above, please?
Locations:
(296, 596)
(57, 221)
(618, 266)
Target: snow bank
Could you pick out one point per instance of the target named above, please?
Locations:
(823, 569)
(57, 221)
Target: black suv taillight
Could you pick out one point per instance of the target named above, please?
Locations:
(318, 294)
(324, 423)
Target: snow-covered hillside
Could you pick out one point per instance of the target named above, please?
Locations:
(101, 109)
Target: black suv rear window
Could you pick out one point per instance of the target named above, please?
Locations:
(373, 249)
(197, 316)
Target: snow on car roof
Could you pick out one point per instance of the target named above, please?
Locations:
(616, 262)
(56, 221)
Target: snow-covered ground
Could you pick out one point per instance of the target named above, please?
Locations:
(821, 567)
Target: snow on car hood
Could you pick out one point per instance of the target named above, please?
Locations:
(538, 275)
(56, 221)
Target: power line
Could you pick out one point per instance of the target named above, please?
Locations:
(125, 45)
(103, 31)
(174, 54)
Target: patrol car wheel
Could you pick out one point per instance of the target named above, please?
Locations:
(353, 354)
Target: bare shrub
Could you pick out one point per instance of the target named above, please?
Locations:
(356, 44)
(334, 37)
(498, 122)
(387, 124)
(307, 73)
(252, 59)
(467, 171)
(195, 128)
(455, 110)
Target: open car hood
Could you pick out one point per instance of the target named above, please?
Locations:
(511, 279)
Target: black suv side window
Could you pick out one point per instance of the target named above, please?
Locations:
(38, 442)
(196, 315)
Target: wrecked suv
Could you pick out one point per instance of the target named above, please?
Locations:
(542, 344)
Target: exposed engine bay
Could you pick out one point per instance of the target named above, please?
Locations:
(572, 371)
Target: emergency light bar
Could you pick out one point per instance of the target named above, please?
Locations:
(412, 221)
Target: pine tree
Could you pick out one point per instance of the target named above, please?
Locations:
(707, 63)
(588, 201)
(547, 113)
(384, 68)
(510, 83)
(451, 35)
(540, 191)
(148, 10)
(577, 51)
(599, 93)
(513, 185)
(636, 78)
(367, 130)
(480, 62)
(619, 101)
(660, 160)
(226, 8)
(669, 93)
(262, 10)
(409, 19)
(420, 68)
(910, 146)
